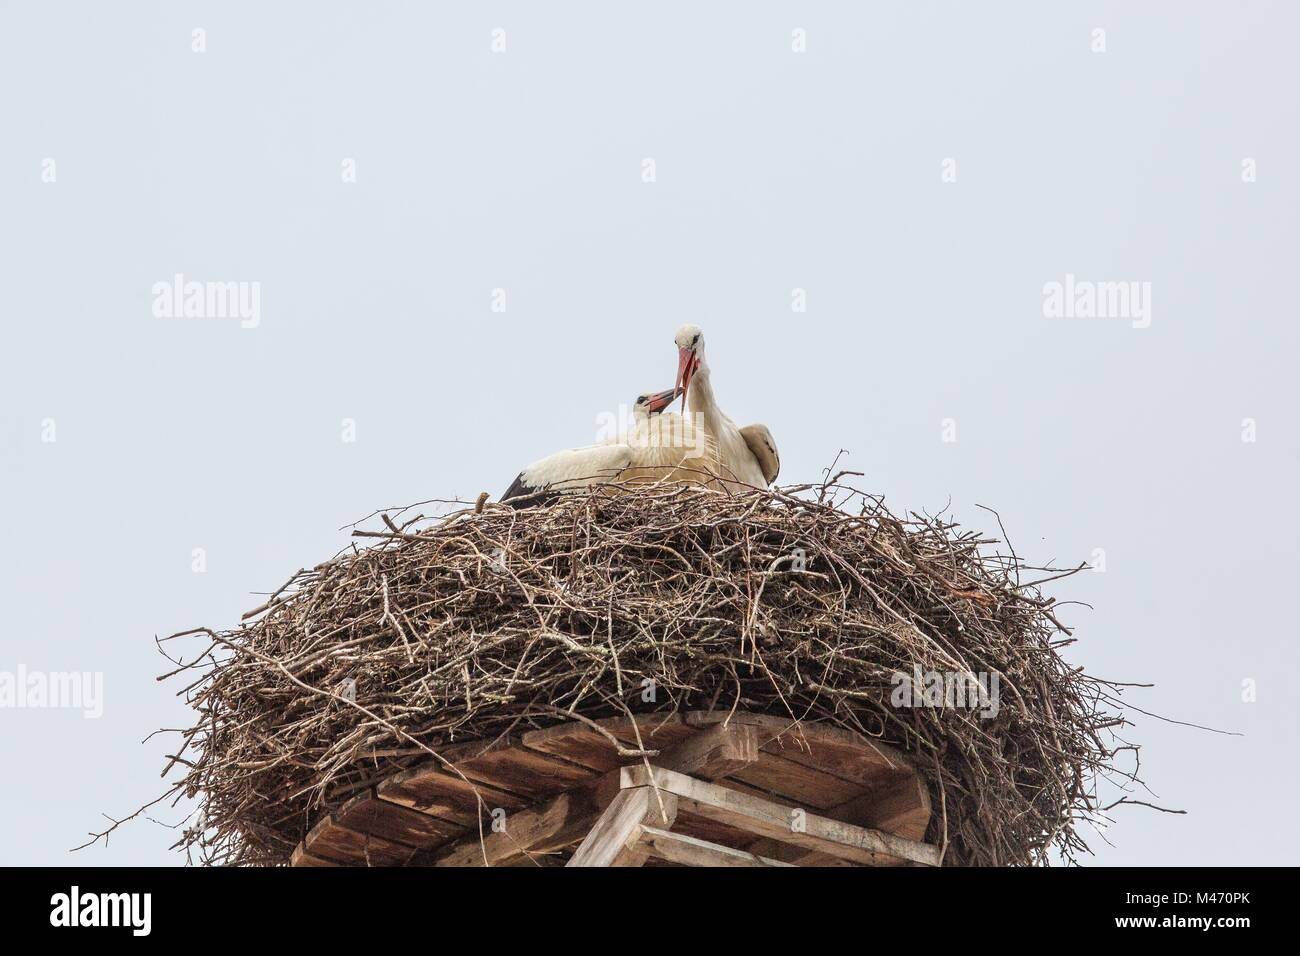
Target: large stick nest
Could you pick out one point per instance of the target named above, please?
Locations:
(477, 624)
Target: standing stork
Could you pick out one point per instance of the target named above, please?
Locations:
(746, 455)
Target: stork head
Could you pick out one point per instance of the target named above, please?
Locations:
(653, 403)
(690, 356)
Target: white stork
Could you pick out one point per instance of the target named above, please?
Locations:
(746, 455)
(656, 446)
(664, 448)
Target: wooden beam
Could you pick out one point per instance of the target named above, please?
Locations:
(330, 840)
(858, 752)
(366, 813)
(899, 805)
(709, 755)
(688, 851)
(713, 753)
(564, 820)
(560, 822)
(797, 783)
(784, 823)
(818, 767)
(579, 743)
(301, 857)
(442, 794)
(615, 840)
(792, 855)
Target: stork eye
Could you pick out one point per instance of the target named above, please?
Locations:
(695, 341)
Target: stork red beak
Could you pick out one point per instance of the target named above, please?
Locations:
(687, 363)
(657, 402)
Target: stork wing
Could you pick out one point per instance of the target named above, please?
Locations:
(570, 470)
(763, 448)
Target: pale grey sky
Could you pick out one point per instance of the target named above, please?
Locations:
(774, 171)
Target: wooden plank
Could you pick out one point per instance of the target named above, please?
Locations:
(615, 840)
(709, 755)
(797, 782)
(901, 791)
(366, 813)
(565, 819)
(713, 753)
(560, 822)
(535, 860)
(797, 763)
(826, 747)
(712, 831)
(509, 766)
(302, 858)
(442, 794)
(502, 771)
(792, 855)
(330, 840)
(888, 775)
(784, 823)
(580, 744)
(899, 804)
(688, 851)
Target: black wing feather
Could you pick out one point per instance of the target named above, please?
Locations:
(517, 488)
(534, 494)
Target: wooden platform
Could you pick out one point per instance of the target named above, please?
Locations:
(748, 790)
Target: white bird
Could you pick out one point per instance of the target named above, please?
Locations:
(685, 449)
(746, 455)
(652, 451)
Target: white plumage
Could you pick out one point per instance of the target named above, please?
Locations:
(747, 455)
(664, 447)
(652, 450)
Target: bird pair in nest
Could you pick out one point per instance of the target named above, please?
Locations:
(704, 447)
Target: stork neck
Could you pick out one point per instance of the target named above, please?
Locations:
(700, 398)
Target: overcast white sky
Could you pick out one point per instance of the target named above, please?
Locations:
(774, 171)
